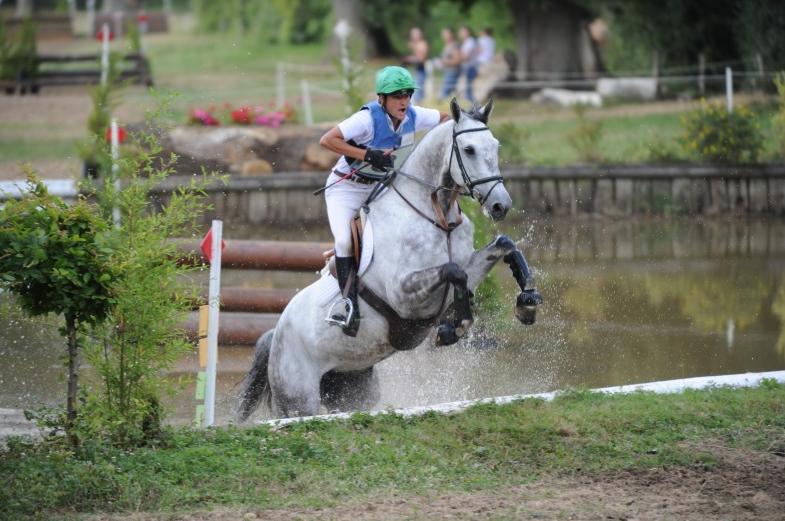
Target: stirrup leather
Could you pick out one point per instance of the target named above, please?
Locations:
(348, 310)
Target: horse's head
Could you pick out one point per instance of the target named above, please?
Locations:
(474, 160)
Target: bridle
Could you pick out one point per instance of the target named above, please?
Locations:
(469, 184)
(467, 181)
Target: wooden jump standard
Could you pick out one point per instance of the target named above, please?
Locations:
(247, 313)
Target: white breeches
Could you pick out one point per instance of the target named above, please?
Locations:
(343, 200)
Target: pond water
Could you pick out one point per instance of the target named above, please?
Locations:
(625, 302)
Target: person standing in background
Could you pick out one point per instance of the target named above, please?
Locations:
(487, 47)
(418, 46)
(469, 52)
(450, 61)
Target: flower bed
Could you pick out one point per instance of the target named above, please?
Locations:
(268, 116)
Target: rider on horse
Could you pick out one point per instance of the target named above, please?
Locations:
(368, 138)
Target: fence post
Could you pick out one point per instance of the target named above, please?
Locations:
(702, 74)
(729, 89)
(430, 92)
(280, 95)
(761, 72)
(90, 18)
(104, 53)
(307, 112)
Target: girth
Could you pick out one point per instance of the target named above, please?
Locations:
(405, 333)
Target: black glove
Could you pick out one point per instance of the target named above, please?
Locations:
(378, 159)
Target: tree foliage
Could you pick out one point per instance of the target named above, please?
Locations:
(56, 258)
(726, 31)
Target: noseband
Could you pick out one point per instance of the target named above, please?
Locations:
(469, 183)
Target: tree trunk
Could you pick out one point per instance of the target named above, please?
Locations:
(24, 8)
(553, 41)
(73, 367)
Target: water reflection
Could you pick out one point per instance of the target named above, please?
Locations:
(626, 302)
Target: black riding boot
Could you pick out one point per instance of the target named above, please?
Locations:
(347, 281)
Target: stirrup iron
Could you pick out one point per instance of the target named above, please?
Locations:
(348, 310)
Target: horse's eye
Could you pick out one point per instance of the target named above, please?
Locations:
(469, 150)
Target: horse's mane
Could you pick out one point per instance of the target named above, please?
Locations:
(476, 113)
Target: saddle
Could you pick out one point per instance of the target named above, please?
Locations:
(404, 333)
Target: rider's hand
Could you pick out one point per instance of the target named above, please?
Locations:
(379, 159)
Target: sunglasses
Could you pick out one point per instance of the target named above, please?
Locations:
(401, 94)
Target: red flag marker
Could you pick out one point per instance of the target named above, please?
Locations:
(207, 245)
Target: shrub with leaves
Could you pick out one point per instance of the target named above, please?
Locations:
(512, 140)
(56, 258)
(142, 336)
(104, 96)
(585, 138)
(20, 57)
(719, 136)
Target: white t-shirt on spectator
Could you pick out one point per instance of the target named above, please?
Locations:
(487, 49)
(469, 51)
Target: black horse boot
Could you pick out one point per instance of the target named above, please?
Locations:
(347, 282)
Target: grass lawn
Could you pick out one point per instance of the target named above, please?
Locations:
(323, 464)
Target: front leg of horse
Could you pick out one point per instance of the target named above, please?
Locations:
(504, 248)
(420, 285)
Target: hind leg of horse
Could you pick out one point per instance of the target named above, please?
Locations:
(350, 390)
(294, 378)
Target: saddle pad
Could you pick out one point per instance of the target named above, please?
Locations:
(327, 286)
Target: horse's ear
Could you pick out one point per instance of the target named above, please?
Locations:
(485, 111)
(455, 109)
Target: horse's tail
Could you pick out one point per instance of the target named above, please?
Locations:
(255, 386)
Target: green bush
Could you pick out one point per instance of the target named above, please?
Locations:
(585, 138)
(56, 259)
(512, 140)
(142, 336)
(779, 117)
(718, 136)
(19, 59)
(268, 21)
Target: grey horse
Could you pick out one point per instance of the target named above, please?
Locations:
(423, 272)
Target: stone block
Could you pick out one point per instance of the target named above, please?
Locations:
(256, 167)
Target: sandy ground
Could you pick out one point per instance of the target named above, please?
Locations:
(743, 485)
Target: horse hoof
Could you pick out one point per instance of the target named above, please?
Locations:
(446, 334)
(526, 306)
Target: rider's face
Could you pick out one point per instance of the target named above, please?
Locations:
(397, 103)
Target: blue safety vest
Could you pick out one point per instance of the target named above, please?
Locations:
(385, 137)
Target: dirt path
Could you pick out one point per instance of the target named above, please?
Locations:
(743, 485)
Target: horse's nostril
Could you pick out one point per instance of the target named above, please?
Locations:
(499, 209)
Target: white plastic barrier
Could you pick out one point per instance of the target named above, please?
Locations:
(666, 386)
(59, 187)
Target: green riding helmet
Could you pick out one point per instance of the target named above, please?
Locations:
(392, 79)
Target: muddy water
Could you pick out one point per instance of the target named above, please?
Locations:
(626, 302)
